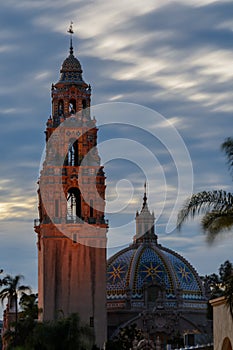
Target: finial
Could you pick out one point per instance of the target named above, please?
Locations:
(70, 30)
(145, 197)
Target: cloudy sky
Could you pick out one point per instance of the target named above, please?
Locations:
(169, 57)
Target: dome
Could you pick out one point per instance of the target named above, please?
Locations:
(71, 64)
(71, 70)
(147, 267)
(146, 263)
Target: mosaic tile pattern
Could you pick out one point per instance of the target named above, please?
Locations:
(139, 265)
(150, 268)
(117, 272)
(184, 274)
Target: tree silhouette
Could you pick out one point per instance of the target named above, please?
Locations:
(29, 306)
(221, 285)
(217, 205)
(11, 291)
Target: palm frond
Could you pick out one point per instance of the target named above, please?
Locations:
(228, 293)
(4, 295)
(24, 289)
(203, 202)
(215, 221)
(227, 147)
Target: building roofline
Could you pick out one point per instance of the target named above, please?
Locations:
(217, 301)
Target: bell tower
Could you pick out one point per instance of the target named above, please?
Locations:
(71, 227)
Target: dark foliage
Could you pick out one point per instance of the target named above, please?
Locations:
(125, 338)
(217, 206)
(221, 285)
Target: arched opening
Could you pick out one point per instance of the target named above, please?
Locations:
(91, 208)
(154, 295)
(91, 219)
(60, 107)
(74, 212)
(72, 158)
(226, 345)
(139, 229)
(84, 104)
(145, 228)
(72, 106)
(56, 208)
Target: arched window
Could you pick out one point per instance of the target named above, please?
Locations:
(145, 228)
(56, 208)
(152, 293)
(84, 104)
(73, 156)
(72, 106)
(139, 228)
(91, 208)
(60, 107)
(74, 213)
(226, 344)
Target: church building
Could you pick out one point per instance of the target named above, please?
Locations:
(146, 283)
(71, 228)
(155, 288)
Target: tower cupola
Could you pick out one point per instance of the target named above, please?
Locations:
(145, 223)
(71, 94)
(71, 70)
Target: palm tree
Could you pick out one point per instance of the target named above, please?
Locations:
(2, 280)
(217, 205)
(29, 305)
(228, 293)
(12, 290)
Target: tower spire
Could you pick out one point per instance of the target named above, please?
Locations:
(144, 197)
(71, 31)
(145, 231)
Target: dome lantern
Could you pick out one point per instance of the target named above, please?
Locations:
(145, 223)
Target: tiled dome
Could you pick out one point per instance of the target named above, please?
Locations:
(148, 262)
(71, 70)
(145, 263)
(71, 64)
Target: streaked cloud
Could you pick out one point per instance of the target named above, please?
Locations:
(171, 56)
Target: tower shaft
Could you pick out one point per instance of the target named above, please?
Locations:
(72, 228)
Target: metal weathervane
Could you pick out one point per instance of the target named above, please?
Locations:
(71, 31)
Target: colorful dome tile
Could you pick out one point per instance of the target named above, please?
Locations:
(150, 268)
(139, 265)
(71, 64)
(117, 273)
(186, 275)
(147, 265)
(71, 70)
